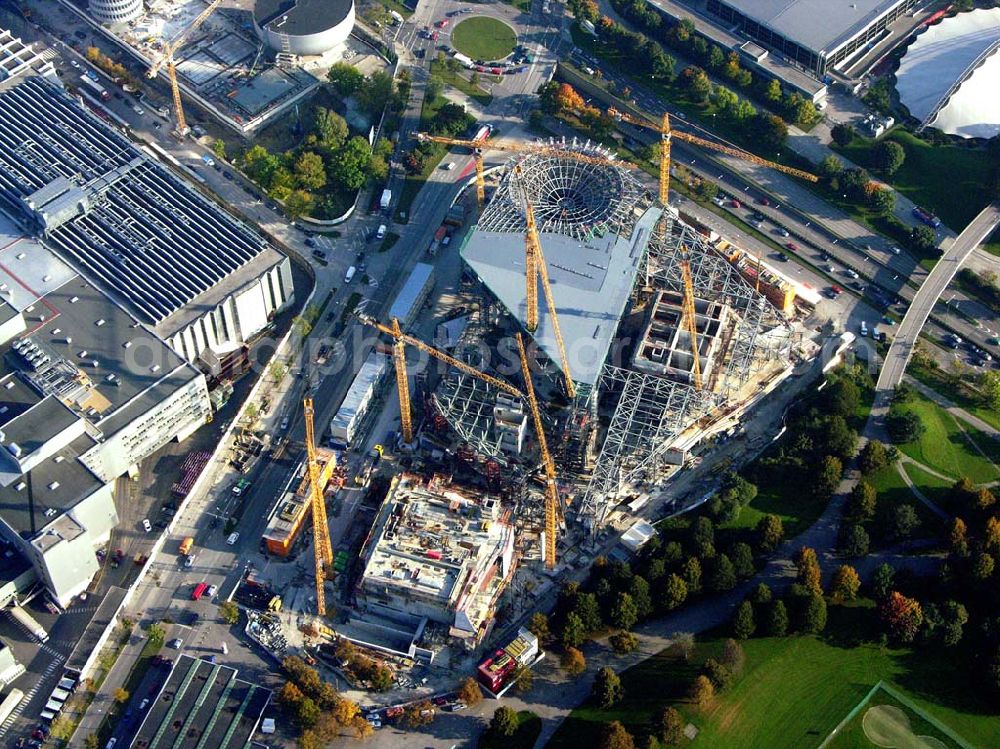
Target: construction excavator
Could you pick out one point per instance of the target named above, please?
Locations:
(167, 58)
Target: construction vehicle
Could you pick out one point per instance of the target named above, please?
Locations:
(552, 506)
(479, 146)
(167, 58)
(534, 267)
(322, 547)
(667, 133)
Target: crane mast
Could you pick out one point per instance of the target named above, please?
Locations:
(322, 548)
(167, 58)
(402, 384)
(551, 490)
(690, 321)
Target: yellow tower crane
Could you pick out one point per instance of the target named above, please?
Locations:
(479, 146)
(552, 507)
(535, 267)
(323, 550)
(167, 58)
(402, 384)
(667, 133)
(691, 322)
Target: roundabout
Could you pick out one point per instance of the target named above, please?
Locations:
(483, 38)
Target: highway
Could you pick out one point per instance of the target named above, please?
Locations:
(923, 302)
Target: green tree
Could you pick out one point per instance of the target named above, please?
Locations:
(744, 624)
(433, 88)
(350, 166)
(307, 713)
(719, 674)
(624, 642)
(670, 727)
(874, 457)
(696, 83)
(855, 541)
(298, 203)
(155, 632)
(742, 556)
(639, 591)
(229, 612)
(761, 595)
(882, 202)
(983, 566)
(883, 578)
(769, 532)
(702, 535)
(904, 426)
(374, 93)
(607, 690)
(922, 239)
(723, 575)
(310, 173)
(889, 156)
(504, 722)
(615, 736)
(862, 502)
(828, 476)
(573, 633)
(219, 148)
(842, 134)
(524, 680)
(831, 167)
(91, 742)
(777, 619)
(773, 91)
(989, 386)
(692, 575)
(813, 615)
(345, 78)
(624, 613)
(331, 128)
(903, 522)
(674, 593)
(539, 627)
(589, 611)
(770, 130)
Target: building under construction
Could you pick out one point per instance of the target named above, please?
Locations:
(291, 511)
(666, 339)
(438, 553)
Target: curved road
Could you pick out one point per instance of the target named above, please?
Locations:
(924, 300)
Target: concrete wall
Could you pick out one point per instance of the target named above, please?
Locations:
(309, 44)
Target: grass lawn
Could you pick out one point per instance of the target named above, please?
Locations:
(794, 691)
(415, 182)
(852, 736)
(797, 509)
(893, 491)
(529, 726)
(944, 447)
(961, 393)
(456, 80)
(948, 180)
(483, 38)
(934, 488)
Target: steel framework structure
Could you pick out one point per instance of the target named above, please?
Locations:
(651, 411)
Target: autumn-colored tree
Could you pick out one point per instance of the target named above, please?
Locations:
(845, 584)
(808, 570)
(469, 692)
(624, 642)
(539, 627)
(362, 728)
(670, 727)
(121, 695)
(615, 736)
(344, 711)
(289, 696)
(418, 714)
(769, 532)
(958, 538)
(985, 499)
(574, 662)
(991, 536)
(567, 99)
(701, 692)
(902, 615)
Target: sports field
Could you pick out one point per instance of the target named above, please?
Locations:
(794, 691)
(483, 38)
(884, 721)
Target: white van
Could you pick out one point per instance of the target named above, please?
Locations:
(349, 276)
(382, 229)
(864, 329)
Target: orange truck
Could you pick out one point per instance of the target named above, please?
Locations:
(186, 545)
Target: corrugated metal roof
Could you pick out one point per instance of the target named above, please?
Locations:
(409, 295)
(368, 377)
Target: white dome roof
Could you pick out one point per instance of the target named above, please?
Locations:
(951, 73)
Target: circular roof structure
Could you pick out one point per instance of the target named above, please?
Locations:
(570, 195)
(950, 74)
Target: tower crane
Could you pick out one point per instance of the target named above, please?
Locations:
(402, 384)
(667, 133)
(690, 322)
(479, 146)
(167, 58)
(551, 496)
(322, 548)
(552, 506)
(535, 266)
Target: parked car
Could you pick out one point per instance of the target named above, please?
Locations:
(177, 643)
(146, 526)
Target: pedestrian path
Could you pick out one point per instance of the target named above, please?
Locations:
(952, 407)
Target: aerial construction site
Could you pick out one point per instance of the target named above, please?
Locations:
(605, 340)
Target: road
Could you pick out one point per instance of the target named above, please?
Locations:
(920, 308)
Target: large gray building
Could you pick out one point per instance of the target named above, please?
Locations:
(816, 34)
(199, 278)
(116, 278)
